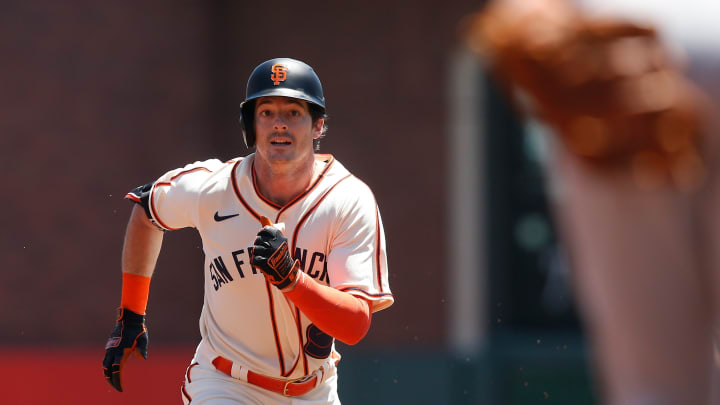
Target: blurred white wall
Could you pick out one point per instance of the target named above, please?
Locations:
(692, 24)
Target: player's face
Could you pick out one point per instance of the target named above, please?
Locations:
(284, 129)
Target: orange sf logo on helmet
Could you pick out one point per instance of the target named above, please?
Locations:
(279, 73)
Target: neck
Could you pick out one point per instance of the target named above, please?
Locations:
(280, 183)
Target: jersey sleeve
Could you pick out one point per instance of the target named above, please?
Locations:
(357, 262)
(171, 201)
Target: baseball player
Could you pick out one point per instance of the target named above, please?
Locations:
(294, 247)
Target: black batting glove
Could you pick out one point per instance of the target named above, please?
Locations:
(130, 335)
(271, 255)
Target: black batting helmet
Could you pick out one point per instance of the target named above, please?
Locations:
(279, 77)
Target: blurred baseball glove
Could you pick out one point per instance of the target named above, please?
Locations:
(606, 86)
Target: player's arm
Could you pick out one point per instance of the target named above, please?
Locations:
(141, 248)
(143, 241)
(337, 313)
(165, 204)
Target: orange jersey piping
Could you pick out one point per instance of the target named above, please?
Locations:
(238, 195)
(278, 347)
(168, 183)
(298, 323)
(257, 190)
(307, 191)
(190, 171)
(300, 351)
(363, 292)
(294, 243)
(377, 246)
(151, 203)
(330, 160)
(133, 197)
(311, 210)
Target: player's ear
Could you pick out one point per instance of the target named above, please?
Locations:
(318, 127)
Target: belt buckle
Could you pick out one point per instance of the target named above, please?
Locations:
(284, 391)
(293, 381)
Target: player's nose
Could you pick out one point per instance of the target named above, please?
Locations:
(280, 125)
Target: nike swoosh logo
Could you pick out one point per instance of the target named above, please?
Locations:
(219, 217)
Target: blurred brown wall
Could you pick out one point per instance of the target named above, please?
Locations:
(99, 97)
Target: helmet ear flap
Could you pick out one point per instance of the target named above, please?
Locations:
(247, 111)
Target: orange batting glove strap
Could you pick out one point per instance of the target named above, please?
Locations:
(292, 278)
(135, 292)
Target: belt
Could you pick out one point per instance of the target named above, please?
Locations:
(289, 388)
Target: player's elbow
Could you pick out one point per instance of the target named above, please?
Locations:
(359, 327)
(352, 342)
(357, 334)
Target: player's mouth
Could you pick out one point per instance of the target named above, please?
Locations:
(281, 141)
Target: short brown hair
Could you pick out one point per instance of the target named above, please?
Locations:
(316, 113)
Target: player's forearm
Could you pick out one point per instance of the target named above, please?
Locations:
(142, 244)
(140, 252)
(337, 313)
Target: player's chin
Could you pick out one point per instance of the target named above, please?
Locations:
(281, 154)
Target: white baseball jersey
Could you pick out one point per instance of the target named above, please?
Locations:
(333, 228)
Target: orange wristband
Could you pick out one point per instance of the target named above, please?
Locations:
(135, 291)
